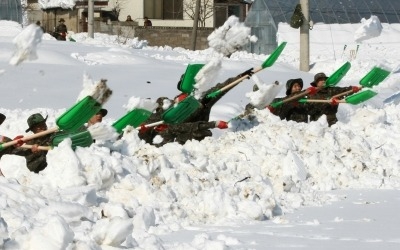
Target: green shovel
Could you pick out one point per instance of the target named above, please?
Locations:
(267, 63)
(353, 99)
(372, 78)
(332, 80)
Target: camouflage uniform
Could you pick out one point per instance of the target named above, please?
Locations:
(330, 110)
(186, 131)
(35, 161)
(292, 110)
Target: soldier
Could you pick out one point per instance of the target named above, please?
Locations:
(329, 109)
(35, 158)
(61, 30)
(293, 110)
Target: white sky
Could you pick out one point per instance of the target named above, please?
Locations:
(226, 192)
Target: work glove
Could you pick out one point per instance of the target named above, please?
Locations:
(335, 101)
(143, 128)
(312, 90)
(19, 141)
(161, 128)
(355, 89)
(221, 124)
(247, 73)
(270, 108)
(180, 97)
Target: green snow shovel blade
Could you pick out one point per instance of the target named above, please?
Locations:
(335, 78)
(186, 84)
(360, 97)
(78, 114)
(274, 56)
(181, 111)
(81, 139)
(374, 77)
(267, 63)
(133, 118)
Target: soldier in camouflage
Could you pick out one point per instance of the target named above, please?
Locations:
(293, 110)
(326, 93)
(35, 158)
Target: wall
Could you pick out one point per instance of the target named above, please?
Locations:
(157, 35)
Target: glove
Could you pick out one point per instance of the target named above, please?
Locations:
(312, 90)
(221, 124)
(271, 109)
(19, 141)
(143, 128)
(355, 89)
(335, 101)
(180, 97)
(247, 73)
(161, 127)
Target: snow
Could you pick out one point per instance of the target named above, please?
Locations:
(262, 183)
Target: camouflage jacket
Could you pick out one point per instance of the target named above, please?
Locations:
(35, 161)
(292, 110)
(330, 110)
(186, 131)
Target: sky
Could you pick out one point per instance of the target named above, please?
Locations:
(262, 183)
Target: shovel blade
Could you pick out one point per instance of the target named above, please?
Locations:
(133, 118)
(180, 112)
(335, 78)
(186, 84)
(274, 56)
(78, 114)
(81, 139)
(374, 77)
(360, 97)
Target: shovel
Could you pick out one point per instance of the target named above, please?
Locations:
(181, 111)
(331, 81)
(186, 84)
(353, 99)
(75, 117)
(372, 78)
(267, 63)
(80, 139)
(133, 118)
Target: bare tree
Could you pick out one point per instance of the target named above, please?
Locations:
(206, 10)
(119, 5)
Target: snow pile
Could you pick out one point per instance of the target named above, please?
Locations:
(370, 28)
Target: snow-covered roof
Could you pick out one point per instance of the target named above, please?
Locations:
(65, 4)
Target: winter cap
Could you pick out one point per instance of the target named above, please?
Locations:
(34, 120)
(2, 118)
(103, 112)
(291, 82)
(61, 20)
(318, 77)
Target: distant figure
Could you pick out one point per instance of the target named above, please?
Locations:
(147, 22)
(129, 19)
(61, 31)
(40, 25)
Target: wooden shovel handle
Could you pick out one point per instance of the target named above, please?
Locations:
(39, 147)
(344, 93)
(29, 137)
(151, 124)
(237, 81)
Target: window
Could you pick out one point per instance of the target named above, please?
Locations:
(164, 9)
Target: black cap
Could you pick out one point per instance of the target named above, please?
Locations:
(2, 118)
(103, 112)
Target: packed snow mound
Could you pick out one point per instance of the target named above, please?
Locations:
(369, 29)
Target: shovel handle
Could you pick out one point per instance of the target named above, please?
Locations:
(29, 137)
(151, 124)
(39, 147)
(344, 93)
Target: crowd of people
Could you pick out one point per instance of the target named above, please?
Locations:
(196, 125)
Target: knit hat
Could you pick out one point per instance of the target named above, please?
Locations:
(318, 77)
(291, 82)
(34, 120)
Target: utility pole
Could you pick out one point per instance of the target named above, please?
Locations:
(195, 24)
(90, 18)
(305, 37)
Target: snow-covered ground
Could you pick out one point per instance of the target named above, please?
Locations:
(261, 184)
